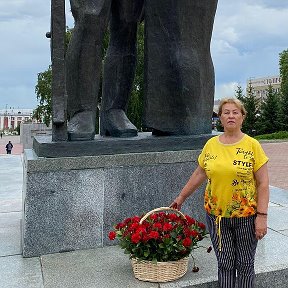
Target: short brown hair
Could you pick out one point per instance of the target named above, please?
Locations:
(235, 101)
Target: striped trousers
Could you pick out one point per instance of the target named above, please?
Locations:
(238, 247)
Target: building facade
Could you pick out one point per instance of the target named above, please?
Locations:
(11, 118)
(260, 85)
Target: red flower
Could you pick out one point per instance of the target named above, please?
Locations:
(112, 235)
(141, 229)
(164, 232)
(134, 226)
(190, 220)
(136, 219)
(126, 221)
(157, 226)
(145, 238)
(153, 235)
(186, 232)
(154, 217)
(167, 227)
(194, 233)
(202, 225)
(187, 242)
(135, 238)
(119, 226)
(173, 217)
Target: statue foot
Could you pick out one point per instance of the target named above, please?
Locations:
(157, 132)
(117, 124)
(81, 126)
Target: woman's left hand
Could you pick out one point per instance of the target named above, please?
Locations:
(260, 227)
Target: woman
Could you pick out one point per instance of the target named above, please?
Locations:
(236, 196)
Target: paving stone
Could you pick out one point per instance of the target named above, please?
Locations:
(19, 272)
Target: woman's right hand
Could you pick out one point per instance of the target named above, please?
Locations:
(177, 203)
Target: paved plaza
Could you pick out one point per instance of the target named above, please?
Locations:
(108, 267)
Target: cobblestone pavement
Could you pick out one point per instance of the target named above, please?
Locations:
(278, 163)
(276, 151)
(15, 140)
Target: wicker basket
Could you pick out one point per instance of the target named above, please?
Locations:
(159, 271)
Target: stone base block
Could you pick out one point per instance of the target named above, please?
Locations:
(144, 142)
(71, 203)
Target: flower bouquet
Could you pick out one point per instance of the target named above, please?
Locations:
(159, 243)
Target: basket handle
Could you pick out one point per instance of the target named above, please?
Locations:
(161, 209)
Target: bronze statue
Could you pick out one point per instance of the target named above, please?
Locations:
(84, 62)
(179, 73)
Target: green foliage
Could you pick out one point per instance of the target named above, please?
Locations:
(18, 129)
(68, 36)
(239, 93)
(135, 106)
(269, 121)
(161, 237)
(43, 89)
(251, 104)
(219, 126)
(283, 66)
(43, 111)
(273, 136)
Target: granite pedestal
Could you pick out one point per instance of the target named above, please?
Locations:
(71, 203)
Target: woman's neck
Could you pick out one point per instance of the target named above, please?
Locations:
(230, 137)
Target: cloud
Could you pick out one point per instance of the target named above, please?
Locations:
(226, 90)
(24, 48)
(247, 39)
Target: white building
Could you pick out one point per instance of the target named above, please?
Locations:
(260, 85)
(11, 118)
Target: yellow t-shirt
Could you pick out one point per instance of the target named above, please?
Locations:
(231, 188)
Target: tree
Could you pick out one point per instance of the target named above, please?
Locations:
(269, 122)
(283, 115)
(43, 88)
(239, 93)
(43, 111)
(251, 104)
(135, 106)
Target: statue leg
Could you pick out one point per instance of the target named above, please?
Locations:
(83, 66)
(119, 69)
(179, 74)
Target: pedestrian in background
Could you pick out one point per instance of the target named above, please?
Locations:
(236, 196)
(9, 147)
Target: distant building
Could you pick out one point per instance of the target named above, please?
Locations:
(11, 118)
(260, 85)
(216, 106)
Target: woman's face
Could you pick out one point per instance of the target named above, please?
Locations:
(231, 117)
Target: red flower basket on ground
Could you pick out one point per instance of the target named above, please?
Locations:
(159, 243)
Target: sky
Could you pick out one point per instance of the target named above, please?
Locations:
(247, 39)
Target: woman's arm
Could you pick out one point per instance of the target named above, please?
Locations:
(196, 179)
(262, 187)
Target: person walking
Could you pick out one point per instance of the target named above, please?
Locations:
(9, 147)
(236, 196)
